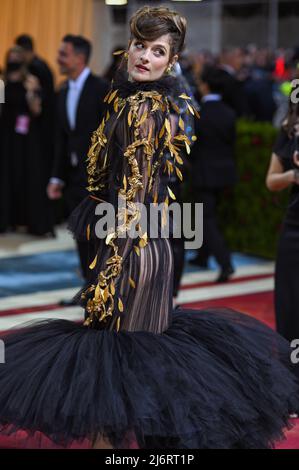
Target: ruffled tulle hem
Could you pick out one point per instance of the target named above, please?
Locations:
(214, 379)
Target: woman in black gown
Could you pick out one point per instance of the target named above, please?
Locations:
(171, 378)
(284, 173)
(25, 150)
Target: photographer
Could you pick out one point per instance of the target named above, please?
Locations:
(283, 173)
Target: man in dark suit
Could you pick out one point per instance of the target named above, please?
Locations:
(233, 92)
(213, 167)
(79, 111)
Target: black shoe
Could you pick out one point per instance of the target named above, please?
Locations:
(225, 274)
(67, 303)
(201, 263)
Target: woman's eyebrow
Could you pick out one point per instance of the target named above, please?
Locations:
(160, 45)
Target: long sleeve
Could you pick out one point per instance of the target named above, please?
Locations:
(137, 173)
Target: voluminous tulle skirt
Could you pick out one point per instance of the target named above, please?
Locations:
(214, 379)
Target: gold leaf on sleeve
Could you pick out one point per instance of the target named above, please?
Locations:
(109, 237)
(178, 172)
(171, 193)
(181, 124)
(130, 118)
(120, 305)
(111, 97)
(107, 96)
(97, 293)
(179, 159)
(115, 105)
(125, 182)
(106, 294)
(93, 264)
(176, 108)
(187, 147)
(112, 288)
(167, 125)
(184, 96)
(161, 133)
(105, 159)
(190, 109)
(196, 113)
(156, 141)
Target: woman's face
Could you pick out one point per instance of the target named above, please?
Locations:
(148, 60)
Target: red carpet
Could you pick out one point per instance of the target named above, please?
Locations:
(258, 305)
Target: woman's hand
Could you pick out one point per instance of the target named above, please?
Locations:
(32, 86)
(54, 191)
(278, 179)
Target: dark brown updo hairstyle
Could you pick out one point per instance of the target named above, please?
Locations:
(148, 24)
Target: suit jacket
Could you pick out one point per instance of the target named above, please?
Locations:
(212, 155)
(233, 94)
(67, 141)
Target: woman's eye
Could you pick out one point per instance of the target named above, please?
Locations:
(159, 51)
(138, 44)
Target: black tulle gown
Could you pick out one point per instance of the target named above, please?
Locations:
(170, 378)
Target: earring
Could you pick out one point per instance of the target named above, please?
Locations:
(168, 70)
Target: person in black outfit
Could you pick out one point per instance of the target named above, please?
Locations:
(233, 93)
(79, 111)
(39, 68)
(284, 173)
(213, 167)
(26, 150)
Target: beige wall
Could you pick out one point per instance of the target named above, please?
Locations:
(46, 20)
(49, 20)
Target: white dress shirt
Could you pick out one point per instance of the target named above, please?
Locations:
(211, 97)
(73, 96)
